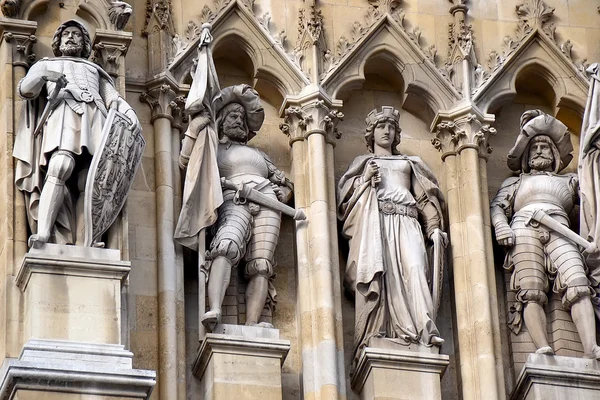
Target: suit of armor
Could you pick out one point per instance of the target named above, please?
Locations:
(244, 229)
(535, 253)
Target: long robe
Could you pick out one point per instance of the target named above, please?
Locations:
(387, 265)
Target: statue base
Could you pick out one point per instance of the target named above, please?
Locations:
(241, 362)
(72, 293)
(390, 372)
(555, 377)
(52, 369)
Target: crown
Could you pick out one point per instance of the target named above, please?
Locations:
(386, 112)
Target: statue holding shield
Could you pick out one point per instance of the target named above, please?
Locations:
(78, 151)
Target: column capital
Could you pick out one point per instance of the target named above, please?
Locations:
(20, 35)
(312, 114)
(110, 48)
(160, 98)
(463, 129)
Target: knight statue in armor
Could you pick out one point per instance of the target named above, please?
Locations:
(56, 141)
(245, 230)
(537, 254)
(392, 209)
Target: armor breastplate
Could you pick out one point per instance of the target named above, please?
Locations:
(545, 188)
(241, 160)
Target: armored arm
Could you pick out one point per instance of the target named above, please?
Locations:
(284, 186)
(501, 210)
(112, 98)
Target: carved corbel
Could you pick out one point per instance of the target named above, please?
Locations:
(177, 108)
(110, 48)
(160, 99)
(467, 131)
(20, 36)
(312, 118)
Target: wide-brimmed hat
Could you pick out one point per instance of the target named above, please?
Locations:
(535, 123)
(247, 98)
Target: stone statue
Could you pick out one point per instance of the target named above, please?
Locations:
(387, 202)
(247, 226)
(57, 143)
(537, 253)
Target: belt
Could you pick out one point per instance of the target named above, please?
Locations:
(387, 207)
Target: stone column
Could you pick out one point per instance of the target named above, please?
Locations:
(310, 122)
(179, 120)
(462, 137)
(15, 57)
(160, 98)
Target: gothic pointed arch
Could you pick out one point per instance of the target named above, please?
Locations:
(386, 38)
(270, 64)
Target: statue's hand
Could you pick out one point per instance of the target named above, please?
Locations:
(505, 236)
(278, 192)
(58, 77)
(372, 173)
(439, 236)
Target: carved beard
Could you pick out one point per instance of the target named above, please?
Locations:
(235, 132)
(540, 163)
(70, 49)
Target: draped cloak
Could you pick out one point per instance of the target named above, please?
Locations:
(363, 226)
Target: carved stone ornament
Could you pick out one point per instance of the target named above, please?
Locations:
(466, 131)
(78, 92)
(119, 13)
(530, 218)
(382, 209)
(315, 116)
(10, 8)
(22, 46)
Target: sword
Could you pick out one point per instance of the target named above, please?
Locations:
(248, 192)
(549, 222)
(52, 100)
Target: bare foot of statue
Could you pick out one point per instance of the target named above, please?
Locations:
(595, 354)
(211, 319)
(545, 350)
(36, 241)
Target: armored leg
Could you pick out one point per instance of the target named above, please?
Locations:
(60, 168)
(571, 280)
(259, 267)
(227, 248)
(531, 282)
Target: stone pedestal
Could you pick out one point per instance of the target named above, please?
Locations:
(72, 293)
(65, 370)
(241, 362)
(392, 374)
(555, 377)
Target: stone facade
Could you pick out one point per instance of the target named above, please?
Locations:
(461, 72)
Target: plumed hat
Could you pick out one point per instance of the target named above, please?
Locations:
(247, 98)
(534, 123)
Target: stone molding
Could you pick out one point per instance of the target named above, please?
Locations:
(21, 36)
(75, 368)
(372, 358)
(110, 49)
(161, 101)
(551, 376)
(314, 116)
(467, 128)
(75, 261)
(238, 346)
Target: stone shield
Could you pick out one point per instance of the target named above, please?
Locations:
(111, 174)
